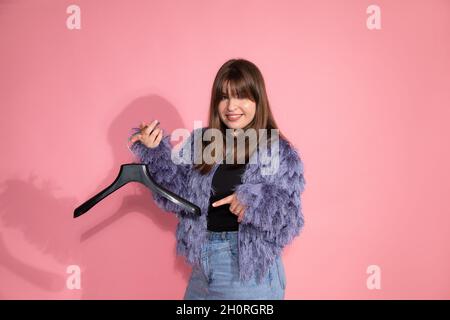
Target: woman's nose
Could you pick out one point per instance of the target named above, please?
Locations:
(232, 105)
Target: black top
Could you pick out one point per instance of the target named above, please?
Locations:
(225, 179)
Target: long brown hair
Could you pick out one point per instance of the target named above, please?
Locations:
(245, 81)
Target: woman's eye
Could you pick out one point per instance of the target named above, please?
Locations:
(223, 97)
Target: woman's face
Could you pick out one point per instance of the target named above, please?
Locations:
(234, 112)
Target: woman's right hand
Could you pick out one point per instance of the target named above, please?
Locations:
(150, 136)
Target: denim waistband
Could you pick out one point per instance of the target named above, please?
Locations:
(225, 235)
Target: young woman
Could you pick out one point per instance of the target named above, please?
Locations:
(247, 214)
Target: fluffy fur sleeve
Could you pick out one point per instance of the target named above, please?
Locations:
(170, 175)
(273, 201)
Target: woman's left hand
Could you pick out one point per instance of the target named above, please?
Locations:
(236, 207)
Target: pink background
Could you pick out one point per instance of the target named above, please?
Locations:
(367, 109)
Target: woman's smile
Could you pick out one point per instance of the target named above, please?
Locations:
(233, 117)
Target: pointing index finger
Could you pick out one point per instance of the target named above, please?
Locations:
(223, 201)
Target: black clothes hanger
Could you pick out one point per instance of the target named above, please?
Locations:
(139, 173)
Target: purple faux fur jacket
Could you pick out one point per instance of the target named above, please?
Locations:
(273, 216)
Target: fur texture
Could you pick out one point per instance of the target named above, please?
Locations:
(272, 219)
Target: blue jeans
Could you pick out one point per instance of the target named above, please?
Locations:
(217, 278)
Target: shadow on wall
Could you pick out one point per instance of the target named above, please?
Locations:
(47, 224)
(37, 240)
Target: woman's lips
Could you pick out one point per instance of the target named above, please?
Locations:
(233, 117)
